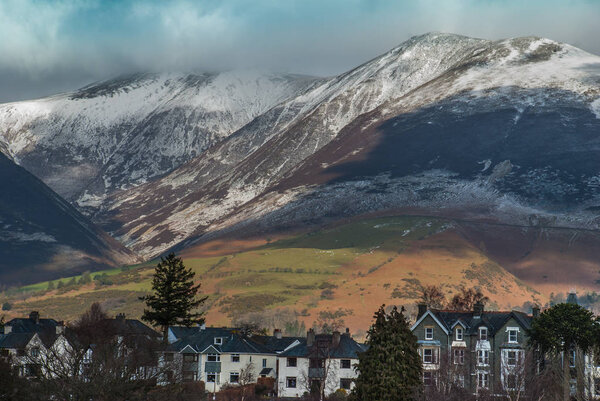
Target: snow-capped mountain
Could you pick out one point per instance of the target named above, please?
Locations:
(123, 132)
(443, 122)
(42, 236)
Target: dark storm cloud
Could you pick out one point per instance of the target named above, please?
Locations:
(50, 46)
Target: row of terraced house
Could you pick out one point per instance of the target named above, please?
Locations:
(487, 351)
(217, 356)
(478, 350)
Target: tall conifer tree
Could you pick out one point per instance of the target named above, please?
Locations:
(390, 369)
(174, 301)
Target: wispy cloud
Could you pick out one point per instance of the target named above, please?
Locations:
(57, 44)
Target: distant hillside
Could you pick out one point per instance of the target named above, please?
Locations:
(43, 236)
(356, 267)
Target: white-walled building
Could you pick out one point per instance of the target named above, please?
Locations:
(323, 362)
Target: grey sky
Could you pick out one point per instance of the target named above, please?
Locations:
(58, 45)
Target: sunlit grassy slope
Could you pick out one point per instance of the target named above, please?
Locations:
(355, 266)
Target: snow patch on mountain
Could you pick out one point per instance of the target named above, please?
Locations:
(595, 106)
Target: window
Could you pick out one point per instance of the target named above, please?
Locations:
(345, 384)
(572, 358)
(190, 358)
(213, 358)
(345, 364)
(34, 352)
(428, 355)
(292, 363)
(169, 357)
(597, 386)
(510, 383)
(459, 356)
(189, 376)
(429, 333)
(234, 377)
(511, 358)
(483, 333)
(290, 382)
(218, 340)
(459, 334)
(264, 365)
(428, 379)
(235, 357)
(512, 335)
(211, 378)
(483, 357)
(316, 363)
(482, 379)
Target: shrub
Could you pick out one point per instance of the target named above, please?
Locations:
(6, 306)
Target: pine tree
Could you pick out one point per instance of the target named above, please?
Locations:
(174, 300)
(562, 329)
(390, 369)
(51, 285)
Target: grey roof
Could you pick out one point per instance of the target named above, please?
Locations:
(129, 327)
(347, 348)
(181, 331)
(492, 320)
(28, 325)
(15, 340)
(276, 344)
(233, 342)
(265, 371)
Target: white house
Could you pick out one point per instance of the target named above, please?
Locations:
(319, 363)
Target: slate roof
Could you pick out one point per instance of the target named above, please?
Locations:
(181, 331)
(131, 327)
(347, 348)
(492, 320)
(233, 342)
(15, 340)
(28, 325)
(276, 344)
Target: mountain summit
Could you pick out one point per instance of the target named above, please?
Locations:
(443, 124)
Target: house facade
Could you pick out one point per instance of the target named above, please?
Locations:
(318, 363)
(222, 356)
(478, 350)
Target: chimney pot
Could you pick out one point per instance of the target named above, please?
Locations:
(478, 308)
(422, 309)
(121, 316)
(35, 316)
(277, 333)
(347, 333)
(310, 337)
(335, 339)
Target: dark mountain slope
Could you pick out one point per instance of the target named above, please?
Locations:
(42, 236)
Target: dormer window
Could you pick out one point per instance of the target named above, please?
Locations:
(483, 333)
(459, 334)
(429, 333)
(218, 340)
(513, 334)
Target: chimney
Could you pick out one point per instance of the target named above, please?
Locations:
(347, 333)
(203, 326)
(535, 311)
(35, 316)
(422, 309)
(277, 334)
(478, 309)
(335, 339)
(7, 329)
(310, 337)
(60, 327)
(120, 317)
